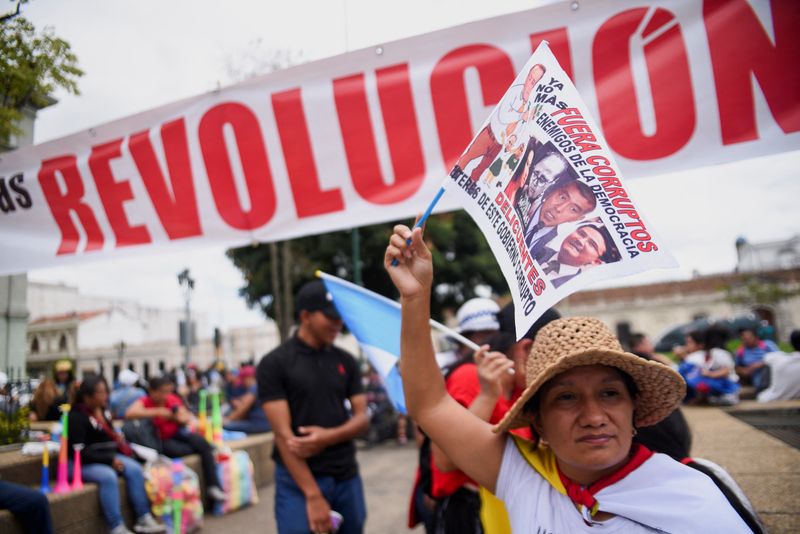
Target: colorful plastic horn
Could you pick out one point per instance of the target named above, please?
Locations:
(77, 479)
(202, 420)
(62, 484)
(45, 486)
(216, 419)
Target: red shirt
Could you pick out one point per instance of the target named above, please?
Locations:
(464, 386)
(166, 427)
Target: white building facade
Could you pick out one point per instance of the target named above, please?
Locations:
(105, 335)
(767, 256)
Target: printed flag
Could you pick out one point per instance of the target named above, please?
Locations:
(542, 184)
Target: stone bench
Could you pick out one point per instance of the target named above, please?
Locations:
(79, 511)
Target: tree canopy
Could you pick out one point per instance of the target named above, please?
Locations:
(32, 66)
(759, 290)
(461, 256)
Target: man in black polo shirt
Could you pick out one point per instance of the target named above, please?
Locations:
(303, 385)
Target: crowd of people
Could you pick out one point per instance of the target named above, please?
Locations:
(316, 405)
(564, 413)
(715, 376)
(315, 397)
(169, 404)
(589, 438)
(238, 386)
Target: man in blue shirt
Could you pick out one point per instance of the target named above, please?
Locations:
(750, 364)
(247, 414)
(126, 394)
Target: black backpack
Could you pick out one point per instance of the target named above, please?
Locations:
(732, 492)
(142, 432)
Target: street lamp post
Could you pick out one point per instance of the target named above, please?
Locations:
(120, 355)
(187, 283)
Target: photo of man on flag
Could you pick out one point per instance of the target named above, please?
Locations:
(543, 186)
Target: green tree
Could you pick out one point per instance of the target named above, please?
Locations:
(462, 261)
(755, 291)
(32, 66)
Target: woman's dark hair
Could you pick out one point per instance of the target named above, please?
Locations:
(794, 339)
(500, 342)
(713, 337)
(517, 176)
(698, 336)
(716, 337)
(158, 382)
(88, 388)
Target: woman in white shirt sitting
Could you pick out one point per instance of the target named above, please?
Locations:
(709, 370)
(584, 399)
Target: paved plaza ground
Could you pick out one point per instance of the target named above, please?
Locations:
(388, 471)
(767, 469)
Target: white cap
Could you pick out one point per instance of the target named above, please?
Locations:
(478, 314)
(127, 377)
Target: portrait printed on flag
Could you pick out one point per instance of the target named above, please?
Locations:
(527, 188)
(542, 184)
(585, 245)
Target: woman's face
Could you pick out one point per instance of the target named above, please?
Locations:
(692, 345)
(586, 416)
(100, 397)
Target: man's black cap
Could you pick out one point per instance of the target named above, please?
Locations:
(313, 296)
(506, 320)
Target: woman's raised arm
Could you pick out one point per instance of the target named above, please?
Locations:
(467, 440)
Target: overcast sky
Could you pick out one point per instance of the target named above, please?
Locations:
(141, 54)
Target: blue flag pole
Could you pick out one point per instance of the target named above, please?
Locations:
(425, 216)
(432, 205)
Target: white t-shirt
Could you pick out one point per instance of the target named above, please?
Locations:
(534, 506)
(719, 358)
(443, 359)
(784, 377)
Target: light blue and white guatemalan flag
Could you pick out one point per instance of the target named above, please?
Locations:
(374, 320)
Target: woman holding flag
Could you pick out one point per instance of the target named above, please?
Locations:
(583, 401)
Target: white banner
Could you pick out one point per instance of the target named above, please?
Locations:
(368, 136)
(540, 182)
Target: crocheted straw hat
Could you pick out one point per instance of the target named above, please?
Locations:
(576, 341)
